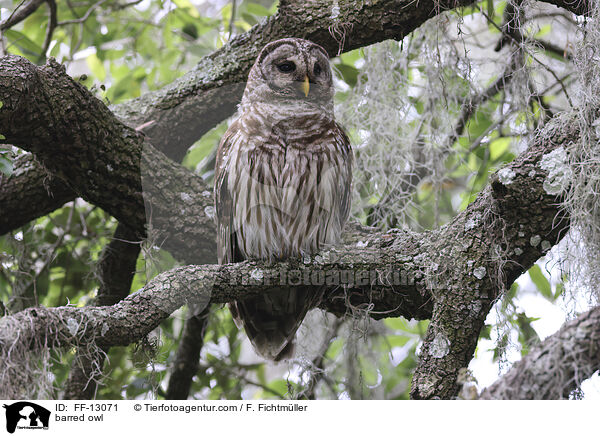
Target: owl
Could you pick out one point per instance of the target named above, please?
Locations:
(282, 183)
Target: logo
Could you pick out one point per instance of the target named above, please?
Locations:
(26, 415)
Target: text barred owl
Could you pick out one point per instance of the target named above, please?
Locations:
(282, 183)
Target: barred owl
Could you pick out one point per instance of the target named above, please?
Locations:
(282, 183)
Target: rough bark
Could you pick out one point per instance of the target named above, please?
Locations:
(556, 367)
(28, 193)
(514, 223)
(366, 270)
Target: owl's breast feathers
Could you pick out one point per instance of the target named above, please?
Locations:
(288, 179)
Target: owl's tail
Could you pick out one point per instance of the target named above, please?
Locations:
(272, 319)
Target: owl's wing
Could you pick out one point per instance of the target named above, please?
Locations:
(227, 250)
(344, 148)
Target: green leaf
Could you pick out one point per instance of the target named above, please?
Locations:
(334, 349)
(560, 289)
(544, 30)
(249, 18)
(498, 147)
(6, 165)
(190, 30)
(258, 10)
(188, 7)
(348, 72)
(241, 24)
(280, 386)
(527, 334)
(486, 332)
(349, 58)
(479, 123)
(490, 8)
(510, 295)
(397, 340)
(541, 282)
(23, 42)
(97, 67)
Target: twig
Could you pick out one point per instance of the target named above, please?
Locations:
(84, 17)
(559, 51)
(119, 7)
(232, 18)
(49, 29)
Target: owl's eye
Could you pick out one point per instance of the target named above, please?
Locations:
(286, 67)
(317, 70)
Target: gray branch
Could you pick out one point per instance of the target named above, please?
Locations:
(22, 11)
(556, 367)
(367, 271)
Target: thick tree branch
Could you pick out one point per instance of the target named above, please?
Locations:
(513, 222)
(28, 193)
(380, 275)
(556, 367)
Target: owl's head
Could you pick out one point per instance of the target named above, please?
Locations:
(291, 69)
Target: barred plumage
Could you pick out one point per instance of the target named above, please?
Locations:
(282, 183)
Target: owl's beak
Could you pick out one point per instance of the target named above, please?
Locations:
(305, 86)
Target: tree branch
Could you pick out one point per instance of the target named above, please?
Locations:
(556, 367)
(22, 11)
(28, 193)
(515, 221)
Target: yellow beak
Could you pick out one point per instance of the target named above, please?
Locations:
(305, 86)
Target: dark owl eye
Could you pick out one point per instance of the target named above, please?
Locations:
(317, 70)
(286, 67)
